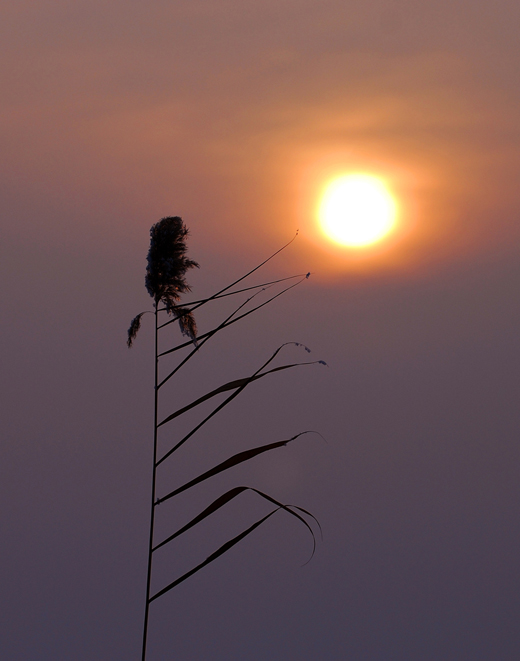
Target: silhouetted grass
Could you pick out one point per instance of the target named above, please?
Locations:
(166, 282)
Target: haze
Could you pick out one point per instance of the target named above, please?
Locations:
(234, 115)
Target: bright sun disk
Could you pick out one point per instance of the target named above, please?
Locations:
(357, 210)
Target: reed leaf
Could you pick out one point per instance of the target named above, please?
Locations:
(226, 498)
(223, 549)
(219, 293)
(226, 402)
(236, 459)
(215, 297)
(232, 385)
(206, 337)
(232, 321)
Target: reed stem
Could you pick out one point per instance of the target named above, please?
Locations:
(154, 472)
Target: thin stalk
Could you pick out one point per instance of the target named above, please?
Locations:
(154, 472)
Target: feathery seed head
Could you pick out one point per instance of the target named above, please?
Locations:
(165, 274)
(134, 329)
(167, 265)
(167, 261)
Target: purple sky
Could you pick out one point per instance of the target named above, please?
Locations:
(234, 115)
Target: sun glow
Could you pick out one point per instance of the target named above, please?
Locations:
(357, 210)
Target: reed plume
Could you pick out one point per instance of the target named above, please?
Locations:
(165, 278)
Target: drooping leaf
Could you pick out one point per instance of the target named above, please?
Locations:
(220, 551)
(236, 459)
(226, 498)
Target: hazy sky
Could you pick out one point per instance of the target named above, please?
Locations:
(235, 115)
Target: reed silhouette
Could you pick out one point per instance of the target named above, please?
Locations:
(166, 283)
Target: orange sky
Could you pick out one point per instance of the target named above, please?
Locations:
(234, 116)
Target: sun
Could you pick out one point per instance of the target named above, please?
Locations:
(357, 210)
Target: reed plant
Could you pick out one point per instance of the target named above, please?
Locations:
(165, 281)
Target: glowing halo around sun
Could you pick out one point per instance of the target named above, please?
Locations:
(357, 210)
